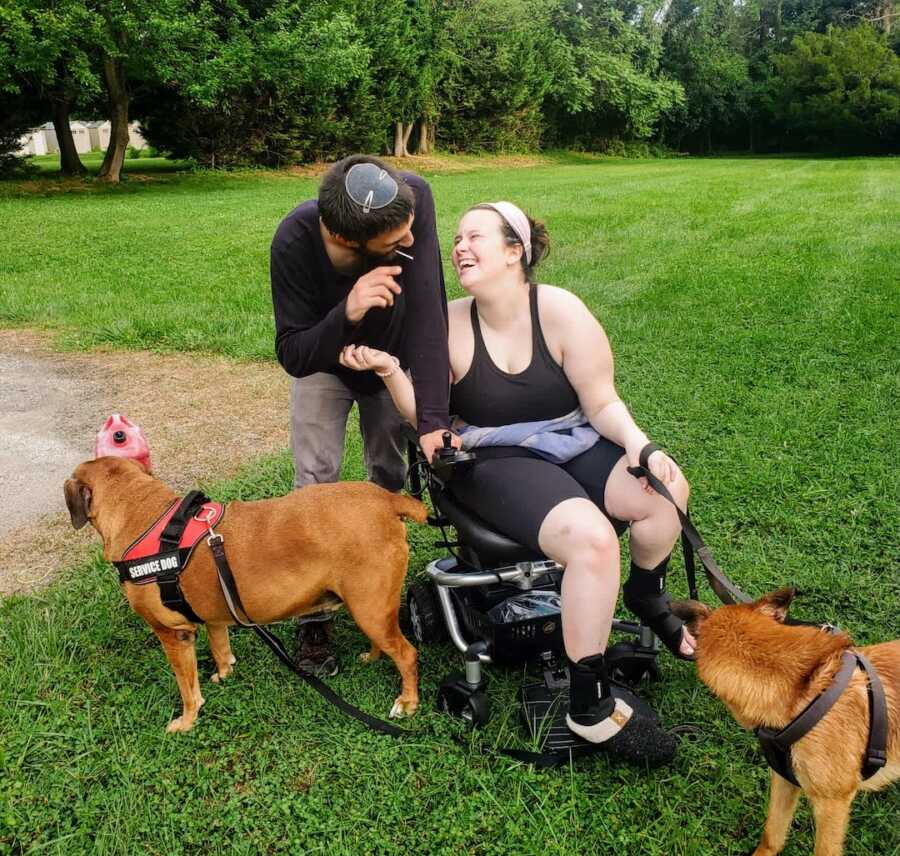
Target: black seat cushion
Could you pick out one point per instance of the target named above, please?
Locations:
(491, 547)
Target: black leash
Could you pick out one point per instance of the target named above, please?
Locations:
(541, 760)
(235, 606)
(691, 540)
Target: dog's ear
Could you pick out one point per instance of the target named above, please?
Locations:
(692, 613)
(776, 603)
(78, 501)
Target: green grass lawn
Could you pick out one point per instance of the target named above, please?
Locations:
(753, 308)
(49, 164)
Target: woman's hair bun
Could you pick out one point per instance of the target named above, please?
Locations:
(540, 241)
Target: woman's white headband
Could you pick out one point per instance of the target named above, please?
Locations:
(518, 222)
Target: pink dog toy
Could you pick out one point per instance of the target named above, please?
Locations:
(123, 439)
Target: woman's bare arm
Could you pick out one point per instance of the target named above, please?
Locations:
(362, 358)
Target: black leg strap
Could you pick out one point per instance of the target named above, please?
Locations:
(644, 593)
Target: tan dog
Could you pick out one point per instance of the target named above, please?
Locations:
(289, 555)
(767, 672)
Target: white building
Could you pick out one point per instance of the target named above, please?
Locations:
(88, 137)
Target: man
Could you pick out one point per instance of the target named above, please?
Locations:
(359, 265)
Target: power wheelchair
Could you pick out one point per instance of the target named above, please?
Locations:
(498, 602)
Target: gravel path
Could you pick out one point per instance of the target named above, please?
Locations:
(203, 416)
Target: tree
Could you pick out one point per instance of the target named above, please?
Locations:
(703, 50)
(268, 84)
(137, 42)
(404, 64)
(42, 62)
(842, 89)
(622, 91)
(499, 60)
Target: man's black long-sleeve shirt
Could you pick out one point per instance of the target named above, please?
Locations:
(311, 326)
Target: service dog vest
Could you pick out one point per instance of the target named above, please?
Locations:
(163, 551)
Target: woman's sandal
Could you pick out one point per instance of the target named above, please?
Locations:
(644, 594)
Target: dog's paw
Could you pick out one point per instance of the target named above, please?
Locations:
(403, 708)
(180, 724)
(220, 674)
(369, 657)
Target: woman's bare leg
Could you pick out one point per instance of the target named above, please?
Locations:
(576, 534)
(655, 526)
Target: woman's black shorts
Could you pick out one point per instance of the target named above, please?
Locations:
(513, 489)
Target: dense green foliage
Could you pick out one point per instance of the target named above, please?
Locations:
(842, 87)
(754, 334)
(274, 82)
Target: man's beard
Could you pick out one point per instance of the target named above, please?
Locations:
(375, 259)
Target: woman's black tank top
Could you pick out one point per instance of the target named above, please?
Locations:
(489, 396)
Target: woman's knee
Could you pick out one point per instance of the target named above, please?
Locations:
(594, 547)
(577, 531)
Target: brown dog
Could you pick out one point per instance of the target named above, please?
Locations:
(767, 672)
(291, 555)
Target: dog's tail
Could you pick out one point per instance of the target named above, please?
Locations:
(409, 508)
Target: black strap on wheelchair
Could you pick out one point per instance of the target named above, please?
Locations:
(776, 745)
(691, 540)
(236, 608)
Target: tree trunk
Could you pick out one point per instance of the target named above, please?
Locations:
(398, 139)
(407, 133)
(114, 77)
(424, 137)
(69, 162)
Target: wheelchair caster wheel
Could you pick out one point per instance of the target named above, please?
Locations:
(630, 663)
(633, 673)
(477, 711)
(461, 699)
(425, 618)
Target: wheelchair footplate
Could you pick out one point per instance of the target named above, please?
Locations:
(545, 702)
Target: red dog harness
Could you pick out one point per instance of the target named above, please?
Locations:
(164, 550)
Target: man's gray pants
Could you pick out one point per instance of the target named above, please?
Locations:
(320, 404)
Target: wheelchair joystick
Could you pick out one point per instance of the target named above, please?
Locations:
(448, 459)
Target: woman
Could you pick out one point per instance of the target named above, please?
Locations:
(522, 352)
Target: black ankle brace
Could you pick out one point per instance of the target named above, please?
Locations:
(589, 691)
(642, 582)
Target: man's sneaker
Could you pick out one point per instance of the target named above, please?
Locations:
(315, 653)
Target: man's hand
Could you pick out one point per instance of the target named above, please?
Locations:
(376, 288)
(431, 442)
